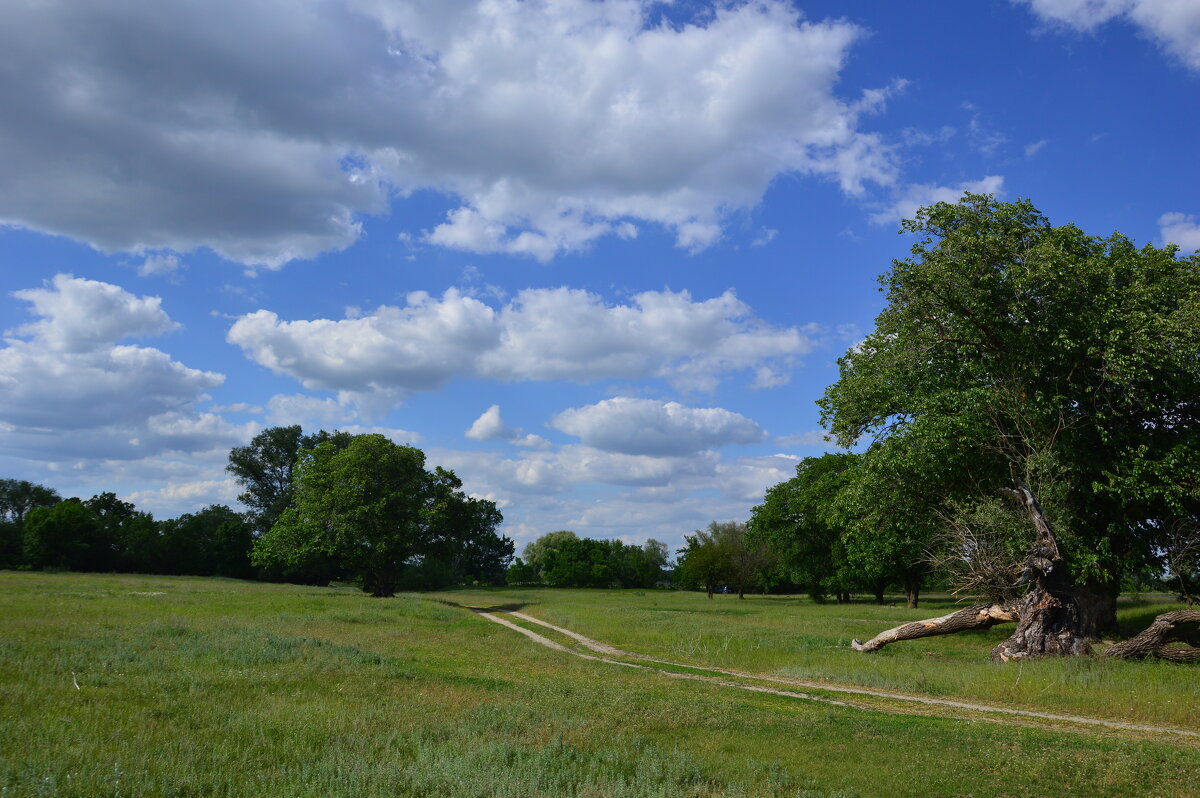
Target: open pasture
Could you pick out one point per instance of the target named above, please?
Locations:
(130, 685)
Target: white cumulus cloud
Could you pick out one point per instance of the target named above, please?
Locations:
(79, 315)
(921, 194)
(646, 426)
(550, 122)
(541, 334)
(491, 427)
(1181, 229)
(1174, 24)
(68, 388)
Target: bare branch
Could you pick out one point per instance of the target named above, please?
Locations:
(981, 616)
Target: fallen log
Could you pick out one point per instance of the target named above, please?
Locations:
(981, 616)
(1158, 639)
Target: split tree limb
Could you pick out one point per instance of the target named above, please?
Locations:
(1156, 640)
(1049, 620)
(981, 616)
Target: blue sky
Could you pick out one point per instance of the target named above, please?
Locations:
(598, 257)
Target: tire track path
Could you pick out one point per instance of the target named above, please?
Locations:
(602, 652)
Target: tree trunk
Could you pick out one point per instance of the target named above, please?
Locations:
(912, 590)
(981, 616)
(880, 586)
(384, 584)
(1156, 640)
(1049, 620)
(1098, 603)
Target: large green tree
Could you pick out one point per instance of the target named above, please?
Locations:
(372, 507)
(266, 468)
(798, 520)
(1020, 356)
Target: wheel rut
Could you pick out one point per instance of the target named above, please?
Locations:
(602, 652)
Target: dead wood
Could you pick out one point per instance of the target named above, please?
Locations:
(1048, 618)
(981, 616)
(1049, 621)
(1158, 640)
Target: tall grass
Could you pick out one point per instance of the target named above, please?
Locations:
(209, 687)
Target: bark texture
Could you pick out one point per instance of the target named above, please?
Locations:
(981, 616)
(1159, 639)
(1098, 603)
(1049, 619)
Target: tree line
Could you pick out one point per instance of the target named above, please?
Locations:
(563, 559)
(39, 529)
(324, 506)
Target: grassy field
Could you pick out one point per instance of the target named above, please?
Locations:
(794, 637)
(199, 687)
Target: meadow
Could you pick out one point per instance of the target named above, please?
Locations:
(117, 685)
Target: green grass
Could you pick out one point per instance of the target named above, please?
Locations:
(199, 687)
(786, 636)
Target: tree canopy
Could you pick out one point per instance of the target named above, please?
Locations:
(374, 508)
(563, 559)
(266, 468)
(797, 519)
(1011, 351)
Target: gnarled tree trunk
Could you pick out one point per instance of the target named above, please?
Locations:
(1049, 620)
(1181, 626)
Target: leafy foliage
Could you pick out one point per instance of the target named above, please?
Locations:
(562, 559)
(723, 554)
(372, 507)
(796, 519)
(266, 468)
(18, 497)
(1013, 348)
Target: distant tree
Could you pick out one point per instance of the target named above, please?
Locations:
(578, 562)
(371, 507)
(116, 522)
(521, 573)
(538, 551)
(215, 541)
(17, 498)
(646, 565)
(566, 560)
(465, 540)
(657, 554)
(749, 558)
(61, 536)
(703, 561)
(796, 521)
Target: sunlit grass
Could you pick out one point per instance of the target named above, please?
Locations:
(199, 687)
(787, 636)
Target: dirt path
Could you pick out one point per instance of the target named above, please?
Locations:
(606, 653)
